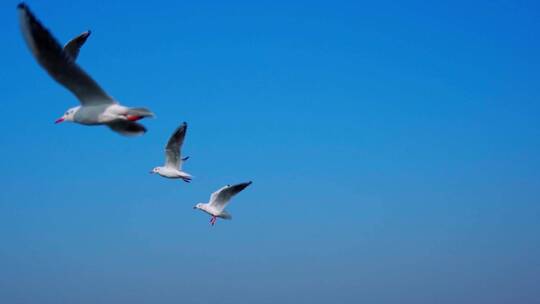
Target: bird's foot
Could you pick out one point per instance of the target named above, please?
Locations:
(213, 220)
(133, 117)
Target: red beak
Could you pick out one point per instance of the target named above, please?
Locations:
(59, 120)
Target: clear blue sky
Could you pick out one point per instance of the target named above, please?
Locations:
(394, 150)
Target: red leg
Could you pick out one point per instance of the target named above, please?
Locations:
(133, 117)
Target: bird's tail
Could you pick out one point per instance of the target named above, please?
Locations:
(186, 176)
(140, 112)
(225, 215)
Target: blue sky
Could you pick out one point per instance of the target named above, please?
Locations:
(394, 150)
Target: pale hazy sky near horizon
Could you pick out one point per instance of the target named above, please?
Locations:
(394, 150)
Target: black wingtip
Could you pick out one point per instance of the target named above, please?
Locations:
(88, 32)
(22, 5)
(182, 126)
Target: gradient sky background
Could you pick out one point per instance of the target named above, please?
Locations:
(394, 150)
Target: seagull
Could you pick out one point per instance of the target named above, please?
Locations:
(97, 107)
(219, 200)
(173, 159)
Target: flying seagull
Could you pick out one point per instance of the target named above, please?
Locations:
(173, 157)
(219, 200)
(97, 107)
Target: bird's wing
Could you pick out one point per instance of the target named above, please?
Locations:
(172, 150)
(214, 195)
(221, 198)
(74, 45)
(127, 128)
(57, 63)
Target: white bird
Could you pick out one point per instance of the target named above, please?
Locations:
(97, 107)
(173, 157)
(219, 200)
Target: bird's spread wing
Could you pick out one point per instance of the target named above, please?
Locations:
(214, 195)
(220, 198)
(74, 45)
(172, 150)
(57, 63)
(127, 128)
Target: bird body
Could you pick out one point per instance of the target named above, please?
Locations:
(173, 173)
(103, 114)
(215, 212)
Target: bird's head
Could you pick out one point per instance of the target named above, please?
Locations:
(155, 170)
(198, 206)
(69, 115)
